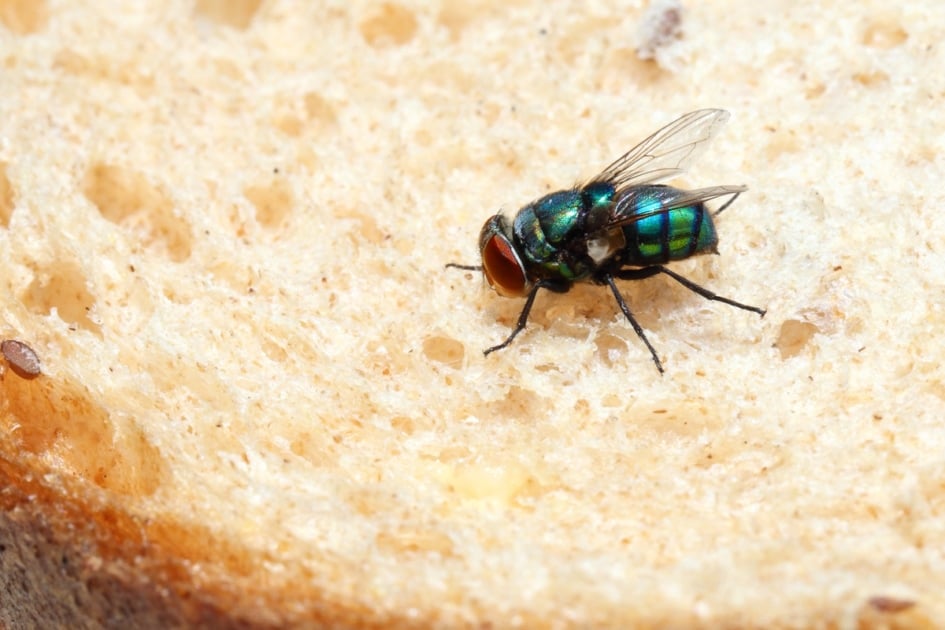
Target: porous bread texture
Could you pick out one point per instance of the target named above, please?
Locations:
(264, 401)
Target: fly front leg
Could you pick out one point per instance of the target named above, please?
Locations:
(523, 316)
(609, 279)
(464, 267)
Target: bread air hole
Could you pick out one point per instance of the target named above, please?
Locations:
(519, 404)
(885, 32)
(273, 201)
(610, 349)
(445, 350)
(59, 422)
(128, 199)
(24, 17)
(794, 336)
(62, 287)
(308, 115)
(390, 24)
(6, 196)
(234, 13)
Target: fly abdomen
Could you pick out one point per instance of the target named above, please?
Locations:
(665, 236)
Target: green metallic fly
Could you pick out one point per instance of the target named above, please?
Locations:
(621, 225)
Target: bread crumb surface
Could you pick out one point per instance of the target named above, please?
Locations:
(225, 226)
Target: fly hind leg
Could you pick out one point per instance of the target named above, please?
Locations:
(646, 272)
(725, 205)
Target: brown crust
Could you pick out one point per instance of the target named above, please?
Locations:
(66, 562)
(71, 555)
(62, 563)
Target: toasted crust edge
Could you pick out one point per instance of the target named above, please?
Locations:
(66, 562)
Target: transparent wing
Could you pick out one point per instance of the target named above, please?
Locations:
(668, 152)
(625, 210)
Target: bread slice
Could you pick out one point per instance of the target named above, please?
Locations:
(262, 400)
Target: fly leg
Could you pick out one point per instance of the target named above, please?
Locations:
(646, 272)
(520, 325)
(727, 204)
(609, 279)
(466, 267)
(523, 316)
(557, 287)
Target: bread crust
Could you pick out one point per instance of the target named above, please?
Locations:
(67, 561)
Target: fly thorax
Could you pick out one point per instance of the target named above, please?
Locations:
(544, 225)
(602, 246)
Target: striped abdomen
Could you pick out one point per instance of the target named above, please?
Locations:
(672, 235)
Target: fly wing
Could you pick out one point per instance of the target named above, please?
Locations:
(668, 152)
(626, 209)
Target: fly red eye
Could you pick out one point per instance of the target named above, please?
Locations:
(502, 267)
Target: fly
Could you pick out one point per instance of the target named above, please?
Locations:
(621, 225)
